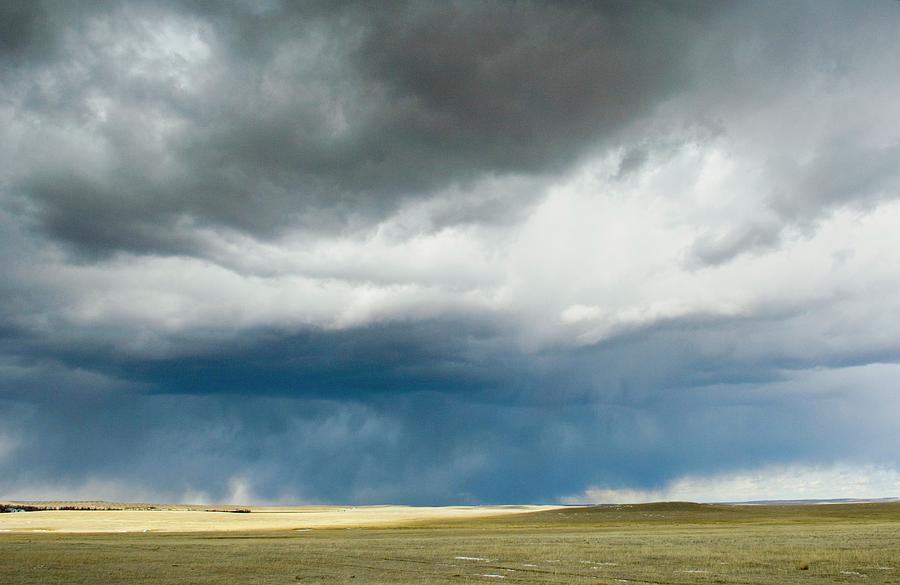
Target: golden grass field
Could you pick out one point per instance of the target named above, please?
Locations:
(260, 518)
(671, 543)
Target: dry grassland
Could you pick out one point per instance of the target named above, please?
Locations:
(259, 519)
(673, 544)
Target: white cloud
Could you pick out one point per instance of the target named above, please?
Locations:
(792, 482)
(595, 259)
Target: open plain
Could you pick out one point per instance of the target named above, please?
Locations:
(671, 543)
(123, 518)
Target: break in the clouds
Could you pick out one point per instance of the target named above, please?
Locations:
(449, 252)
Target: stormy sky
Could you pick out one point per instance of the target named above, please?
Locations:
(449, 252)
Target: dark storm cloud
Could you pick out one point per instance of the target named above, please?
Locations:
(428, 412)
(426, 448)
(19, 25)
(473, 359)
(142, 127)
(302, 115)
(144, 122)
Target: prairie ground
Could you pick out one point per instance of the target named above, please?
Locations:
(105, 518)
(654, 543)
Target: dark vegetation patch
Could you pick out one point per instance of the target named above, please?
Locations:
(37, 506)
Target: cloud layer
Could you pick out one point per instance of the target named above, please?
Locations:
(787, 483)
(437, 252)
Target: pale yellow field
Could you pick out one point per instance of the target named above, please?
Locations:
(300, 518)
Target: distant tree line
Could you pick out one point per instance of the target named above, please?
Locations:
(6, 508)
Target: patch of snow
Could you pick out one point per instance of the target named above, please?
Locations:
(471, 559)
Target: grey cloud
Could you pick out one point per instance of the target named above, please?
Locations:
(804, 89)
(327, 117)
(842, 172)
(710, 250)
(19, 25)
(525, 87)
(135, 127)
(632, 161)
(323, 118)
(426, 448)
